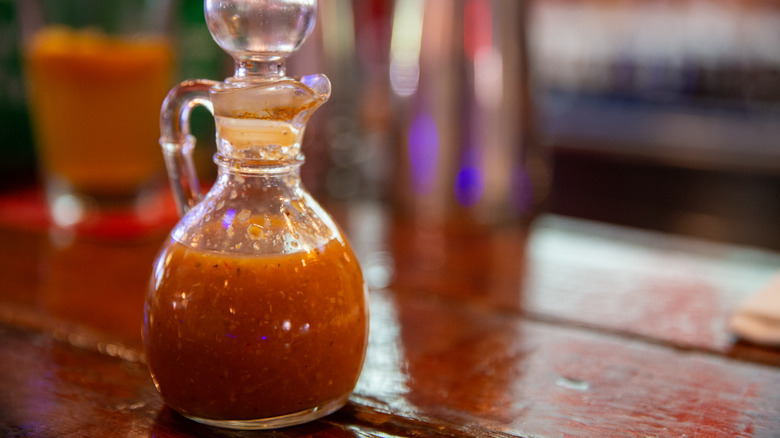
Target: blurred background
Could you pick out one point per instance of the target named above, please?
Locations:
(663, 114)
(660, 114)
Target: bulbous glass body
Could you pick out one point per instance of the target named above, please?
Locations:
(256, 314)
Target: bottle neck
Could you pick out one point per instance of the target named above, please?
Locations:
(257, 70)
(255, 142)
(259, 168)
(256, 181)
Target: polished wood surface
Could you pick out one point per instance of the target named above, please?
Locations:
(573, 328)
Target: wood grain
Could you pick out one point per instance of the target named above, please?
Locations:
(573, 329)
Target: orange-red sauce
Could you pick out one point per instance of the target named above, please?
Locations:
(247, 337)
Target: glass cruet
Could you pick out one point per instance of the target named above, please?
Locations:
(256, 314)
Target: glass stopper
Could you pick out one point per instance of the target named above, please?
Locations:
(260, 30)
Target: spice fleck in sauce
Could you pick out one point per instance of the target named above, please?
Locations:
(239, 337)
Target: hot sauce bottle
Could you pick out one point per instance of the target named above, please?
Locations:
(256, 315)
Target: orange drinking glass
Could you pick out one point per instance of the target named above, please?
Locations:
(97, 72)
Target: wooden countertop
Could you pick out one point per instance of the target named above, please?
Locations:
(574, 329)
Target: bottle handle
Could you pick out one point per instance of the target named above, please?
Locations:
(178, 143)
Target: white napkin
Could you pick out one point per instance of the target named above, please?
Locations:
(758, 319)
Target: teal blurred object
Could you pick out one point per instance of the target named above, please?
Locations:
(200, 57)
(17, 166)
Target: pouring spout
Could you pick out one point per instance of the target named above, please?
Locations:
(265, 120)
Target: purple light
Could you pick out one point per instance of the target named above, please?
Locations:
(468, 186)
(228, 218)
(469, 182)
(423, 152)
